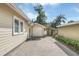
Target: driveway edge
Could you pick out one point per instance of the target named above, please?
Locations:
(66, 49)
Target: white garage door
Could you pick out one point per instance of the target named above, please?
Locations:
(38, 31)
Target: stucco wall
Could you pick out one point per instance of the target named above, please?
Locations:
(71, 31)
(7, 41)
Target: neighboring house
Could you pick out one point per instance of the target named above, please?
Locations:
(14, 27)
(38, 30)
(51, 31)
(70, 30)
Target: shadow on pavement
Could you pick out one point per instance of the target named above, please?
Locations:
(33, 39)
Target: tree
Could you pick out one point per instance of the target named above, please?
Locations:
(70, 21)
(41, 15)
(58, 20)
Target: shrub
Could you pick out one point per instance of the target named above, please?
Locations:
(69, 42)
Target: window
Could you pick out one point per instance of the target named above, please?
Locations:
(16, 25)
(21, 26)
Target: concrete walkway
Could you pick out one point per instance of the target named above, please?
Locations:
(42, 47)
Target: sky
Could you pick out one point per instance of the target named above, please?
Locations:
(69, 10)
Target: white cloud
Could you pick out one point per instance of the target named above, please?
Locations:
(73, 18)
(76, 9)
(44, 4)
(27, 12)
(53, 4)
(31, 15)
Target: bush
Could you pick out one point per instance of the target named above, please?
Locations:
(69, 42)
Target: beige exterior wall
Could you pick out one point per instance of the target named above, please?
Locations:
(71, 31)
(38, 31)
(5, 16)
(27, 29)
(7, 41)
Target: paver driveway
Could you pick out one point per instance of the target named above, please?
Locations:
(43, 47)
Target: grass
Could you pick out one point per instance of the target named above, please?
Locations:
(72, 44)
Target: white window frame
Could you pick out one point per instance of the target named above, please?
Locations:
(16, 18)
(20, 26)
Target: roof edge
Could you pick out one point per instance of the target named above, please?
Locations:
(19, 11)
(68, 24)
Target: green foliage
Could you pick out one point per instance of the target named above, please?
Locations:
(70, 42)
(58, 20)
(41, 15)
(70, 21)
